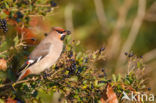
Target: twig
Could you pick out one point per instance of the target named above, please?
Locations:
(68, 17)
(23, 81)
(133, 32)
(101, 14)
(114, 40)
(151, 13)
(11, 48)
(18, 82)
(149, 55)
(42, 5)
(21, 43)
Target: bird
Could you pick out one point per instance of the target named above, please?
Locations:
(45, 54)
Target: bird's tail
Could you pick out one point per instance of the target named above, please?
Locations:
(24, 73)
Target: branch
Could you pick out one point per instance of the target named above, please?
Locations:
(68, 17)
(18, 82)
(11, 48)
(27, 80)
(133, 32)
(150, 55)
(100, 14)
(151, 13)
(114, 40)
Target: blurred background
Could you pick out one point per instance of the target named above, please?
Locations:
(120, 26)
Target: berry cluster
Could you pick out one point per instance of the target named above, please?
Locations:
(3, 25)
(129, 54)
(72, 67)
(53, 4)
(19, 16)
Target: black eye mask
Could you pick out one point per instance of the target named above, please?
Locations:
(61, 32)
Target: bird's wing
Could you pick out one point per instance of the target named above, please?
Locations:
(40, 51)
(37, 54)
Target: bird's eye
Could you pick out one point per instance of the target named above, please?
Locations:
(60, 32)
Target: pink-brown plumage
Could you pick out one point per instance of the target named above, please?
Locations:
(46, 53)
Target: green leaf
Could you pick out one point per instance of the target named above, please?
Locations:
(77, 43)
(2, 76)
(138, 64)
(114, 77)
(2, 101)
(3, 15)
(44, 96)
(4, 46)
(16, 40)
(6, 5)
(119, 77)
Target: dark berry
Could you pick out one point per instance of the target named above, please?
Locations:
(86, 60)
(19, 14)
(26, 2)
(3, 22)
(70, 54)
(45, 34)
(45, 75)
(149, 89)
(92, 86)
(109, 80)
(126, 53)
(27, 19)
(53, 4)
(101, 82)
(97, 91)
(33, 39)
(79, 70)
(68, 69)
(102, 49)
(18, 20)
(72, 60)
(101, 76)
(56, 68)
(103, 70)
(18, 100)
(3, 25)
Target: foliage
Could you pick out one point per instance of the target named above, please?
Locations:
(77, 78)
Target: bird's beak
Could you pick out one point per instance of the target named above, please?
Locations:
(67, 32)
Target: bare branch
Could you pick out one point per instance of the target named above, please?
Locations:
(68, 17)
(27, 80)
(150, 55)
(100, 14)
(114, 40)
(11, 48)
(134, 31)
(151, 13)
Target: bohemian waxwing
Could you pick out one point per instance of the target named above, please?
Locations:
(45, 54)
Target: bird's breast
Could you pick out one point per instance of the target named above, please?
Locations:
(49, 60)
